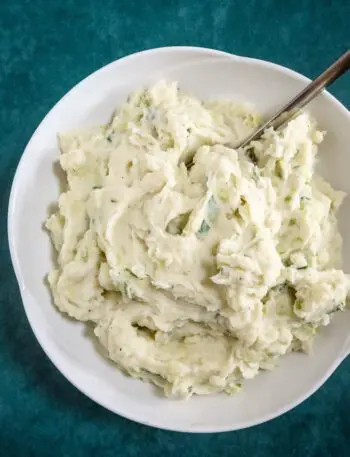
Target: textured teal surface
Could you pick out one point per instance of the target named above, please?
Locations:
(45, 49)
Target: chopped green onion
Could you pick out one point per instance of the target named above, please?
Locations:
(256, 174)
(204, 228)
(213, 210)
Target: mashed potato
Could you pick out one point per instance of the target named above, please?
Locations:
(199, 264)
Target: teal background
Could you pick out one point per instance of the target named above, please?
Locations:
(45, 49)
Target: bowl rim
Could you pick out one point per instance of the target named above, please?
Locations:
(16, 262)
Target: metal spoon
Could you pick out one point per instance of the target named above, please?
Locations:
(305, 96)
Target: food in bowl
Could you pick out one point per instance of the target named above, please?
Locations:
(199, 264)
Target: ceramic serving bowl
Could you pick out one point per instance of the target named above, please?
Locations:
(207, 74)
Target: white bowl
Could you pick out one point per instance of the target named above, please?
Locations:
(207, 74)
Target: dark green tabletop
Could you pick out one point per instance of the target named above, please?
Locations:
(46, 47)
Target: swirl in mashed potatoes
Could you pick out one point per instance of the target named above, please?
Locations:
(198, 263)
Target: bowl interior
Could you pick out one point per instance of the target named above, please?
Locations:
(207, 74)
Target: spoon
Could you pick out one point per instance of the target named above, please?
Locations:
(305, 96)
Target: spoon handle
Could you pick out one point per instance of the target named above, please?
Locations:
(305, 96)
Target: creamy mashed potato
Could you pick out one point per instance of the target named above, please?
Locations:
(198, 263)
